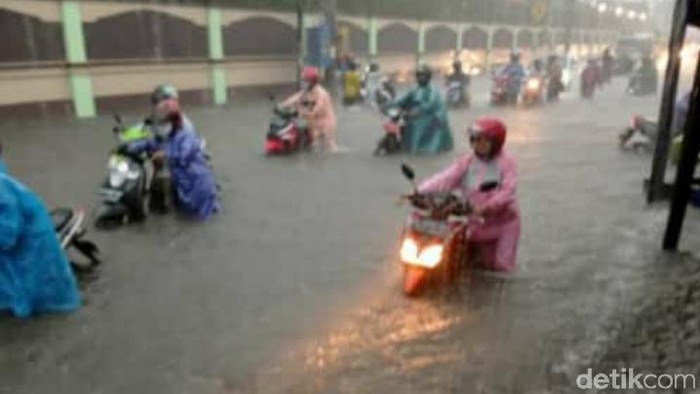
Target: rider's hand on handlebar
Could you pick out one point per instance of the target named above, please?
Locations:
(478, 211)
(158, 156)
(122, 150)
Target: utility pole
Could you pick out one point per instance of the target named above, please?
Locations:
(301, 41)
(569, 24)
(330, 9)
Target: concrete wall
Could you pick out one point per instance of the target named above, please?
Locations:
(82, 58)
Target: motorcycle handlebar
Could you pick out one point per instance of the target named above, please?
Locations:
(453, 205)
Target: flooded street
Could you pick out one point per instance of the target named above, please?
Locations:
(295, 287)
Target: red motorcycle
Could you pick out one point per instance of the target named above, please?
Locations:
(433, 246)
(287, 133)
(393, 129)
(499, 90)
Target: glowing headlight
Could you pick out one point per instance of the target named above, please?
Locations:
(409, 250)
(429, 257)
(533, 84)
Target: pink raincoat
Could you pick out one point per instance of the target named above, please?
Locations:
(497, 237)
(321, 116)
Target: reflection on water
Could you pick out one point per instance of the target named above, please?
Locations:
(391, 338)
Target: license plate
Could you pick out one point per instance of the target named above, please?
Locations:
(431, 227)
(110, 195)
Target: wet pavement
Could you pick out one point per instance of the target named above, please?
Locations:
(294, 287)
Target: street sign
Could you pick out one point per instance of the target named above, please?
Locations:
(539, 11)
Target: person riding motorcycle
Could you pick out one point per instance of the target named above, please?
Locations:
(179, 147)
(427, 128)
(515, 72)
(35, 275)
(555, 85)
(537, 68)
(166, 92)
(458, 75)
(590, 79)
(371, 82)
(487, 179)
(607, 61)
(645, 79)
(352, 84)
(315, 105)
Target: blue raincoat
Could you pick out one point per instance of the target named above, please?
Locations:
(193, 181)
(427, 130)
(35, 275)
(516, 75)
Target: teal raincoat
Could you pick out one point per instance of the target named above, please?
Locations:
(427, 127)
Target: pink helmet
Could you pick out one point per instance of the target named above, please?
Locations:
(310, 74)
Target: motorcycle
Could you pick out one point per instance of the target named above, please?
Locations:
(499, 91)
(433, 246)
(638, 86)
(287, 133)
(70, 231)
(457, 95)
(587, 89)
(124, 190)
(386, 93)
(393, 129)
(640, 136)
(533, 91)
(554, 88)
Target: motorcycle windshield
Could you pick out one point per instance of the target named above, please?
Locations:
(430, 228)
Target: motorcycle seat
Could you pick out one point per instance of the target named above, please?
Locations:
(60, 218)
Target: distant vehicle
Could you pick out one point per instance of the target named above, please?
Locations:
(635, 46)
(533, 90)
(630, 50)
(570, 68)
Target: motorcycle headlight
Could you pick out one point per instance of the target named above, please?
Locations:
(431, 256)
(409, 251)
(116, 178)
(119, 172)
(533, 84)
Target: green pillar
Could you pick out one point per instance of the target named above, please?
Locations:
(373, 38)
(489, 48)
(459, 44)
(74, 43)
(421, 44)
(309, 21)
(216, 56)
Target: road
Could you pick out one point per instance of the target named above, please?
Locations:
(294, 286)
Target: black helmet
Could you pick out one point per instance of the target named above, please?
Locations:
(424, 71)
(457, 64)
(515, 56)
(163, 92)
(424, 74)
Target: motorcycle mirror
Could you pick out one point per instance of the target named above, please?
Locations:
(408, 172)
